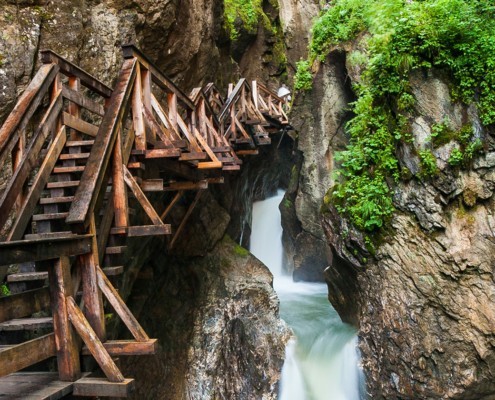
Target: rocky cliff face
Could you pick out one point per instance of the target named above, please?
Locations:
(423, 300)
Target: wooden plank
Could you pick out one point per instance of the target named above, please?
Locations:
(79, 143)
(20, 251)
(31, 198)
(49, 217)
(68, 170)
(69, 367)
(186, 217)
(27, 277)
(113, 271)
(50, 235)
(26, 324)
(149, 230)
(115, 249)
(157, 129)
(210, 165)
(100, 387)
(118, 348)
(141, 197)
(57, 200)
(172, 204)
(23, 355)
(70, 69)
(24, 304)
(193, 156)
(152, 185)
(247, 152)
(162, 115)
(137, 112)
(93, 343)
(74, 156)
(80, 125)
(163, 153)
(83, 101)
(119, 194)
(172, 186)
(93, 301)
(25, 108)
(16, 183)
(120, 307)
(92, 178)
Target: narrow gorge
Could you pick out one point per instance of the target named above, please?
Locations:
(378, 279)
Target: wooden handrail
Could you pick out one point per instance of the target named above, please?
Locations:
(233, 97)
(269, 92)
(92, 179)
(131, 51)
(25, 108)
(70, 69)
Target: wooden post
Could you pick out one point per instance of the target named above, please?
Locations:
(119, 192)
(74, 109)
(17, 154)
(137, 111)
(146, 89)
(172, 110)
(69, 368)
(93, 303)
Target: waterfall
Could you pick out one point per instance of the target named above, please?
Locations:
(322, 361)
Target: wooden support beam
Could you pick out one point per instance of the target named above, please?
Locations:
(93, 343)
(163, 153)
(149, 230)
(83, 101)
(69, 368)
(117, 348)
(23, 355)
(120, 307)
(156, 129)
(186, 217)
(29, 160)
(80, 125)
(24, 304)
(152, 185)
(16, 252)
(141, 197)
(173, 186)
(29, 204)
(172, 204)
(100, 387)
(137, 111)
(119, 194)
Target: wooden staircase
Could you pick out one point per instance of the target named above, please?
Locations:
(83, 160)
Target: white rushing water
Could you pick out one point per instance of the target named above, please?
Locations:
(322, 362)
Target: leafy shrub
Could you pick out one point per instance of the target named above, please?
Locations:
(4, 290)
(428, 164)
(303, 79)
(455, 157)
(457, 36)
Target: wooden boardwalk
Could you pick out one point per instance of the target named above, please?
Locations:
(83, 160)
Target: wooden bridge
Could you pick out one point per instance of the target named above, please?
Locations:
(76, 154)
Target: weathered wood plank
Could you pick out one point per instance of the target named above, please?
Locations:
(186, 217)
(149, 230)
(118, 348)
(80, 125)
(23, 355)
(69, 69)
(24, 304)
(24, 109)
(92, 178)
(100, 387)
(172, 204)
(69, 367)
(20, 251)
(173, 186)
(93, 343)
(141, 197)
(83, 101)
(29, 160)
(120, 307)
(137, 112)
(152, 185)
(27, 276)
(29, 203)
(119, 194)
(26, 324)
(163, 153)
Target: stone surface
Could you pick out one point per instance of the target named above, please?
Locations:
(217, 321)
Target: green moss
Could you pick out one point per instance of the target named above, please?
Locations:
(398, 37)
(240, 251)
(4, 290)
(244, 12)
(303, 80)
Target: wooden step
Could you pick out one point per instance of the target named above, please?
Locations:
(127, 348)
(115, 249)
(226, 159)
(79, 143)
(61, 185)
(113, 271)
(102, 387)
(49, 235)
(221, 149)
(73, 156)
(26, 324)
(149, 230)
(136, 165)
(231, 167)
(56, 200)
(47, 217)
(68, 170)
(27, 276)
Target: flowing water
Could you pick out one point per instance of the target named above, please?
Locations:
(322, 362)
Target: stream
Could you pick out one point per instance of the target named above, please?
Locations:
(322, 361)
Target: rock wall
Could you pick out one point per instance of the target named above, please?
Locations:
(423, 300)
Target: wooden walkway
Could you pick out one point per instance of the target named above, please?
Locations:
(83, 160)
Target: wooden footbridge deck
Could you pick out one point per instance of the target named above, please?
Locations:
(77, 154)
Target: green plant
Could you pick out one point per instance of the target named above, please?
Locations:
(247, 12)
(455, 157)
(398, 38)
(303, 79)
(4, 290)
